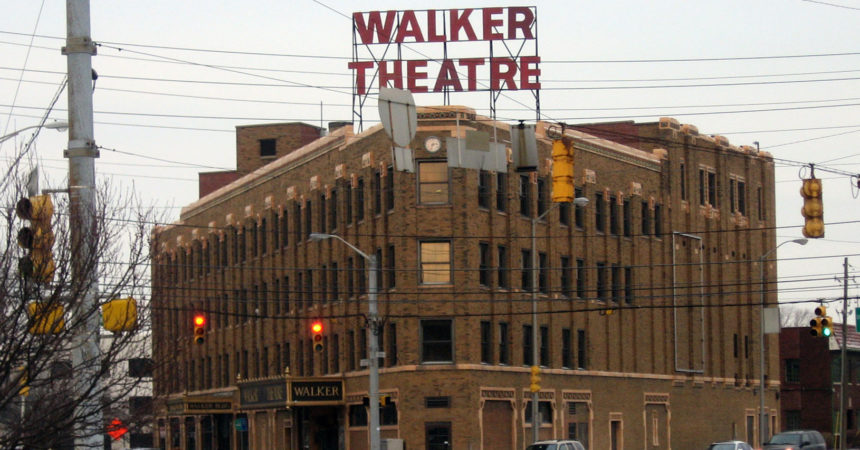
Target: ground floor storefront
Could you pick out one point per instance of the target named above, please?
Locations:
(459, 407)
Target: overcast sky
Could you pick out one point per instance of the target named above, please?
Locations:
(176, 78)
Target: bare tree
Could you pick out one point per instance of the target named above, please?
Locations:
(43, 318)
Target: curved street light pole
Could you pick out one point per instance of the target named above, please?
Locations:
(58, 125)
(762, 415)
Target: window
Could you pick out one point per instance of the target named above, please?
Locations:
(501, 192)
(484, 264)
(437, 402)
(437, 341)
(140, 367)
(527, 346)
(564, 213)
(392, 345)
(601, 281)
(742, 198)
(628, 218)
(359, 200)
(308, 217)
(297, 221)
(332, 210)
(566, 274)
(335, 353)
(504, 355)
(578, 211)
(616, 283)
(350, 350)
(658, 220)
(760, 196)
(712, 189)
(435, 260)
(682, 171)
(792, 371)
(526, 270)
(350, 278)
(544, 345)
(502, 266)
(543, 273)
(390, 263)
(599, 212)
(646, 218)
(486, 343)
(702, 187)
(388, 414)
(614, 222)
(581, 350)
(357, 416)
(566, 349)
(376, 187)
(580, 278)
(525, 196)
(323, 213)
(433, 182)
(542, 196)
(792, 420)
(544, 409)
(347, 199)
(484, 189)
(628, 285)
(267, 148)
(437, 436)
(389, 188)
(285, 228)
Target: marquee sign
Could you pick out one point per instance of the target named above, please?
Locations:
(445, 42)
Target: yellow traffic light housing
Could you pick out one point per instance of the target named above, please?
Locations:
(813, 208)
(199, 329)
(815, 328)
(316, 335)
(120, 314)
(822, 324)
(38, 238)
(534, 385)
(45, 318)
(562, 171)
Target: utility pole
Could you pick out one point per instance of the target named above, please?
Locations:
(843, 379)
(82, 151)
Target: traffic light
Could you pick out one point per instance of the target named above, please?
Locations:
(38, 238)
(316, 334)
(45, 318)
(535, 379)
(199, 328)
(813, 208)
(562, 171)
(822, 324)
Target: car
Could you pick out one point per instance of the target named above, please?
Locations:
(796, 440)
(730, 445)
(556, 445)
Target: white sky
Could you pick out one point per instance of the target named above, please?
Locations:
(811, 103)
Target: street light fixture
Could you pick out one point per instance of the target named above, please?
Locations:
(372, 343)
(762, 419)
(59, 125)
(579, 202)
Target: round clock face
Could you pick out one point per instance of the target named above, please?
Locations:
(432, 144)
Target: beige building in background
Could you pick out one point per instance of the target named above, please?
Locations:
(669, 246)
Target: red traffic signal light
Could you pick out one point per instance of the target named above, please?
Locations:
(199, 329)
(316, 335)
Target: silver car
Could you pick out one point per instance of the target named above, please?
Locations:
(556, 445)
(730, 445)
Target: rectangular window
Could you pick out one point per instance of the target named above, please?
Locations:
(484, 264)
(437, 344)
(502, 266)
(362, 343)
(437, 435)
(628, 218)
(543, 273)
(544, 346)
(614, 219)
(742, 198)
(323, 213)
(682, 171)
(543, 196)
(566, 349)
(390, 265)
(581, 350)
(267, 148)
(309, 288)
(525, 196)
(732, 189)
(486, 343)
(347, 201)
(602, 284)
(646, 218)
(391, 354)
(580, 278)
(350, 278)
(504, 354)
(332, 210)
(308, 217)
(350, 350)
(566, 277)
(703, 187)
(377, 192)
(564, 214)
(526, 270)
(263, 234)
(544, 409)
(599, 212)
(433, 182)
(628, 285)
(359, 200)
(712, 189)
(527, 346)
(760, 197)
(578, 211)
(297, 221)
(501, 192)
(792, 371)
(616, 283)
(435, 260)
(658, 220)
(484, 189)
(335, 353)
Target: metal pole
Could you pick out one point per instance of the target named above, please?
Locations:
(762, 415)
(81, 152)
(843, 430)
(535, 408)
(372, 344)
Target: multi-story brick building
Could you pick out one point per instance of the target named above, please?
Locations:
(810, 381)
(647, 298)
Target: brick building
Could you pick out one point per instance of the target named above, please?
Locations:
(810, 381)
(647, 298)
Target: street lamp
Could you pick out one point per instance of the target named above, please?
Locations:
(372, 343)
(579, 201)
(59, 125)
(762, 419)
